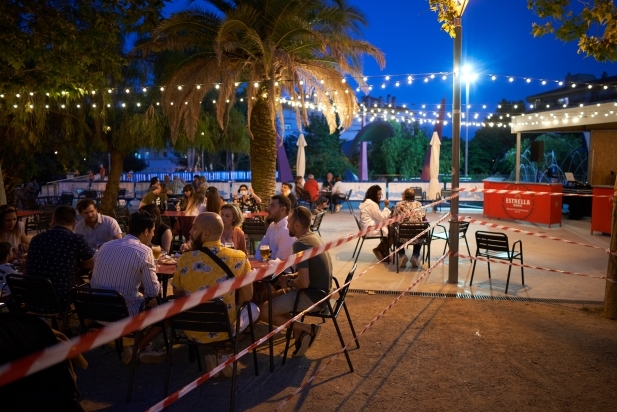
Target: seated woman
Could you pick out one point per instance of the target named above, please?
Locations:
(413, 212)
(232, 222)
(196, 204)
(162, 233)
(246, 199)
(214, 202)
(299, 187)
(371, 215)
(188, 191)
(13, 231)
(338, 193)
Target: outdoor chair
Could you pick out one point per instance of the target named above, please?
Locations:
(36, 295)
(317, 222)
(123, 215)
(122, 196)
(91, 194)
(43, 221)
(409, 230)
(305, 199)
(445, 235)
(29, 203)
(361, 239)
(492, 245)
(210, 317)
(67, 198)
(331, 310)
(444, 194)
(349, 202)
(419, 193)
(254, 230)
(105, 305)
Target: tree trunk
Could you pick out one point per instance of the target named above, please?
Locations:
(2, 191)
(610, 293)
(263, 151)
(110, 196)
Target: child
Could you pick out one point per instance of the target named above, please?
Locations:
(6, 268)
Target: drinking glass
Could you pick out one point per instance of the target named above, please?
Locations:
(264, 250)
(156, 251)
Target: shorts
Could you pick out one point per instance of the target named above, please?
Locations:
(284, 304)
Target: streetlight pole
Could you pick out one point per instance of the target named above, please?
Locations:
(466, 122)
(456, 146)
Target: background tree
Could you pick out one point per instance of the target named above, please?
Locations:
(281, 48)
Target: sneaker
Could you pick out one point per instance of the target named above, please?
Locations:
(337, 208)
(415, 262)
(302, 344)
(127, 355)
(378, 254)
(152, 355)
(211, 363)
(228, 371)
(404, 261)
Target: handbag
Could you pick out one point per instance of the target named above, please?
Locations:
(218, 261)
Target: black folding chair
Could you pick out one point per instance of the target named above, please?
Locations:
(362, 239)
(330, 311)
(494, 245)
(43, 221)
(254, 230)
(444, 235)
(36, 295)
(91, 194)
(210, 316)
(317, 222)
(349, 202)
(409, 230)
(67, 198)
(105, 305)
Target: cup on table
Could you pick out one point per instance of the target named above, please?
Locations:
(264, 250)
(156, 251)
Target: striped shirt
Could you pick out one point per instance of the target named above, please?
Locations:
(124, 265)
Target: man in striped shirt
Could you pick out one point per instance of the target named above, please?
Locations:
(125, 265)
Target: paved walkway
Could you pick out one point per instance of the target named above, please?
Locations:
(537, 252)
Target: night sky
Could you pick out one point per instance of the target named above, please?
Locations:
(497, 40)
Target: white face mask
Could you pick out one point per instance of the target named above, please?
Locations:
(242, 192)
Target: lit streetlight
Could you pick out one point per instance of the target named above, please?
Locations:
(467, 76)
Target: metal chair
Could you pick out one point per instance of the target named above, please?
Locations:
(409, 230)
(349, 202)
(211, 317)
(330, 311)
(492, 245)
(123, 216)
(66, 198)
(36, 295)
(91, 194)
(317, 222)
(419, 193)
(444, 235)
(305, 199)
(43, 221)
(254, 230)
(362, 239)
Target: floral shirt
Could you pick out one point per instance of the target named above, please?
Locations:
(196, 271)
(412, 210)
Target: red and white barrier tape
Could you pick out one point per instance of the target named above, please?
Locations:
(527, 192)
(54, 354)
(367, 327)
(188, 388)
(513, 229)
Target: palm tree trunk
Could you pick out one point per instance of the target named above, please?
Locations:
(2, 191)
(263, 151)
(110, 196)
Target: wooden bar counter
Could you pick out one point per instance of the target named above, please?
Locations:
(545, 209)
(601, 209)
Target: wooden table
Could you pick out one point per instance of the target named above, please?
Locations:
(255, 214)
(26, 213)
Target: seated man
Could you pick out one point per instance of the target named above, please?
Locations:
(286, 189)
(95, 227)
(58, 253)
(157, 196)
(197, 271)
(277, 236)
(314, 273)
(125, 265)
(312, 187)
(338, 193)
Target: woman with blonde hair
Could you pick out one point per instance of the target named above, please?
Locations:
(12, 230)
(232, 223)
(195, 204)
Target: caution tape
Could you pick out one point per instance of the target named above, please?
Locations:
(528, 192)
(55, 354)
(526, 232)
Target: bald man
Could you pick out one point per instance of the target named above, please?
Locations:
(197, 271)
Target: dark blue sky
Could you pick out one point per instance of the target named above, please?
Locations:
(497, 40)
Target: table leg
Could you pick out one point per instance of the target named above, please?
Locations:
(271, 340)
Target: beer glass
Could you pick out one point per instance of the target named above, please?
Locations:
(264, 250)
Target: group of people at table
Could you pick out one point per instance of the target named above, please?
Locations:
(127, 264)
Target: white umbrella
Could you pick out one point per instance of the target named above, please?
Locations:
(300, 159)
(433, 185)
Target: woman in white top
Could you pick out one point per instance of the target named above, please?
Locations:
(371, 215)
(13, 231)
(338, 193)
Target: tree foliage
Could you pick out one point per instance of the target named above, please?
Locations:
(592, 24)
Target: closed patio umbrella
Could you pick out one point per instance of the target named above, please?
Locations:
(301, 159)
(433, 185)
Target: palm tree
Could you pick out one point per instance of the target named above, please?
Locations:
(297, 50)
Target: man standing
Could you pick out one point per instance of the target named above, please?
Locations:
(314, 273)
(58, 253)
(277, 236)
(95, 227)
(125, 265)
(197, 271)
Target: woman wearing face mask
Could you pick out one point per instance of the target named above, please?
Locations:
(247, 199)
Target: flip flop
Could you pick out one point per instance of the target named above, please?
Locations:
(302, 344)
(315, 331)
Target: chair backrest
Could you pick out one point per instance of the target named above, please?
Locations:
(211, 316)
(90, 194)
(349, 194)
(34, 291)
(493, 241)
(408, 230)
(44, 220)
(29, 203)
(357, 221)
(67, 198)
(419, 194)
(343, 292)
(99, 304)
(462, 229)
(446, 193)
(254, 227)
(317, 221)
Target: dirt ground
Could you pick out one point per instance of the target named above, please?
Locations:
(425, 354)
